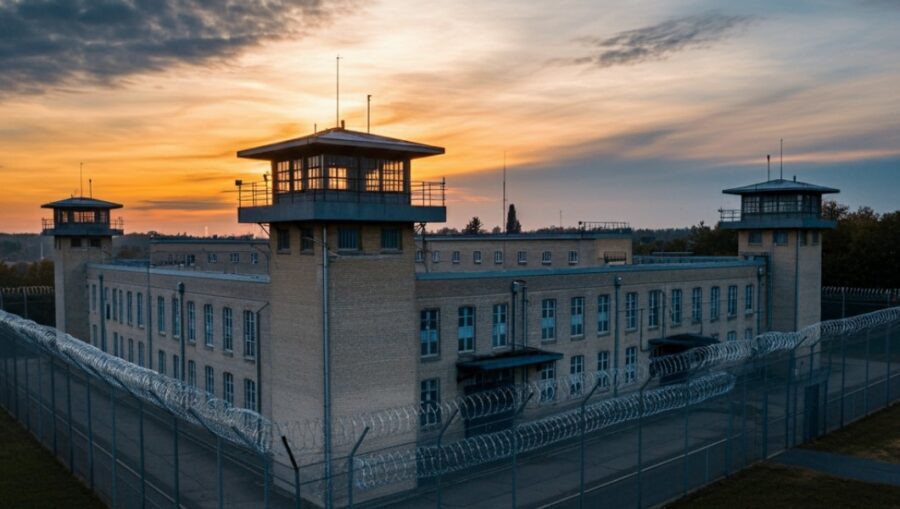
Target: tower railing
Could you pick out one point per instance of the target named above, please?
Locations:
(737, 215)
(113, 224)
(416, 193)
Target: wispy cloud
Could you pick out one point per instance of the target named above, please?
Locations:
(46, 43)
(657, 42)
(183, 205)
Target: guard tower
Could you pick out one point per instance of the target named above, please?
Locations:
(341, 209)
(82, 233)
(782, 220)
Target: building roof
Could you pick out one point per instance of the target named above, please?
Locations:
(494, 237)
(339, 137)
(81, 202)
(781, 186)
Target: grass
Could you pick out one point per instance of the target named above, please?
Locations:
(31, 478)
(875, 437)
(775, 486)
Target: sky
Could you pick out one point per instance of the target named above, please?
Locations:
(632, 111)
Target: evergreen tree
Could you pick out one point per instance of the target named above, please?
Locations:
(474, 227)
(512, 222)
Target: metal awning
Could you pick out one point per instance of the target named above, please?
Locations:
(513, 359)
(684, 340)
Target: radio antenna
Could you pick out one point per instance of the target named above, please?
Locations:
(337, 87)
(81, 178)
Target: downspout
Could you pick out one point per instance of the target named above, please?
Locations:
(149, 352)
(513, 293)
(524, 316)
(102, 315)
(259, 358)
(797, 282)
(326, 373)
(182, 328)
(617, 282)
(759, 273)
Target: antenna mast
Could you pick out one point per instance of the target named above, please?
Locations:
(337, 88)
(782, 159)
(81, 178)
(768, 167)
(369, 113)
(503, 212)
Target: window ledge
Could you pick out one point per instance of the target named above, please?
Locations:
(577, 337)
(228, 353)
(283, 251)
(548, 341)
(430, 358)
(251, 360)
(209, 347)
(602, 334)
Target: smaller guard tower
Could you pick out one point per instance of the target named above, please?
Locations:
(782, 220)
(82, 233)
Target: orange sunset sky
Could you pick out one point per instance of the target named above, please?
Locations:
(635, 111)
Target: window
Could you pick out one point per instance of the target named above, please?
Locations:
(390, 238)
(548, 319)
(697, 305)
(576, 321)
(192, 373)
(714, 303)
(306, 239)
(161, 362)
(676, 306)
(392, 176)
(190, 260)
(130, 350)
(435, 256)
(603, 314)
(254, 258)
(249, 334)
(105, 301)
(653, 308)
(455, 257)
(122, 346)
(429, 335)
(548, 382)
(732, 335)
(282, 177)
(121, 307)
(228, 388)
(93, 297)
(631, 304)
(732, 301)
(116, 351)
(314, 175)
(191, 322)
(210, 383)
(522, 257)
(348, 239)
(576, 374)
(139, 309)
(546, 258)
(573, 257)
(420, 256)
(129, 310)
(430, 402)
(603, 368)
(93, 334)
(466, 329)
(283, 239)
(176, 318)
(141, 354)
(630, 364)
(75, 242)
(754, 238)
(498, 329)
(249, 394)
(212, 258)
(780, 238)
(176, 367)
(476, 257)
(748, 333)
(498, 257)
(234, 257)
(748, 299)
(227, 329)
(208, 325)
(115, 306)
(161, 315)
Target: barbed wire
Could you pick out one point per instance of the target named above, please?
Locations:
(27, 290)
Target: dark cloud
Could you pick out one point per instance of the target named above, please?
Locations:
(185, 205)
(656, 42)
(46, 43)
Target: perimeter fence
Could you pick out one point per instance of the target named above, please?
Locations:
(632, 437)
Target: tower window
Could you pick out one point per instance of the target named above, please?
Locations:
(306, 239)
(476, 257)
(546, 258)
(75, 242)
(780, 238)
(573, 257)
(283, 238)
(348, 239)
(95, 242)
(754, 238)
(390, 238)
(455, 257)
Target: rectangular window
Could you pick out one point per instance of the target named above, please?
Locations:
(732, 335)
(476, 257)
(498, 257)
(130, 350)
(105, 301)
(129, 310)
(283, 239)
(93, 297)
(780, 238)
(429, 333)
(210, 376)
(676, 306)
(139, 309)
(548, 319)
(630, 364)
(249, 394)
(94, 334)
(546, 258)
(314, 175)
(228, 388)
(234, 257)
(254, 258)
(249, 334)
(390, 238)
(307, 239)
(430, 402)
(653, 308)
(348, 239)
(548, 382)
(754, 238)
(116, 344)
(603, 373)
(161, 362)
(141, 354)
(227, 329)
(208, 325)
(192, 374)
(176, 318)
(576, 317)
(191, 260)
(161, 315)
(522, 257)
(576, 374)
(466, 329)
(697, 305)
(748, 299)
(191, 322)
(435, 256)
(176, 367)
(115, 305)
(498, 326)
(455, 257)
(121, 307)
(212, 258)
(420, 256)
(732, 300)
(603, 314)
(631, 304)
(573, 257)
(714, 303)
(803, 239)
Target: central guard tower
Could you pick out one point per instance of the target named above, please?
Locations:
(341, 208)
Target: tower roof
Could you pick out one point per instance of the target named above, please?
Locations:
(781, 186)
(339, 137)
(80, 202)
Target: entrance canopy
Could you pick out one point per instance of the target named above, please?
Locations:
(683, 341)
(512, 359)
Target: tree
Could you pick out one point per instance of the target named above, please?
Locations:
(512, 222)
(474, 227)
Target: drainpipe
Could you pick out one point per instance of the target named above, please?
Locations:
(259, 358)
(181, 327)
(524, 315)
(513, 293)
(148, 354)
(102, 315)
(797, 282)
(759, 274)
(326, 370)
(617, 282)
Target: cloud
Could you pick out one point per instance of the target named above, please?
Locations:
(656, 42)
(183, 205)
(47, 43)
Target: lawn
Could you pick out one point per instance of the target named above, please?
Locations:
(31, 478)
(875, 437)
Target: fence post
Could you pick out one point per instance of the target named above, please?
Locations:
(177, 475)
(583, 432)
(350, 467)
(843, 377)
(687, 414)
(90, 428)
(866, 386)
(640, 448)
(53, 404)
(515, 445)
(40, 400)
(69, 417)
(887, 378)
(440, 441)
(765, 415)
(744, 421)
(112, 404)
(15, 361)
(296, 471)
(27, 394)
